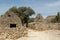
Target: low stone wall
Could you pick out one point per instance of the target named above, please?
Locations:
(13, 33)
(44, 26)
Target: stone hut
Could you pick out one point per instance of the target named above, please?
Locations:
(39, 18)
(10, 24)
(10, 20)
(49, 18)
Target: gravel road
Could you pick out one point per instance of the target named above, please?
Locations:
(42, 35)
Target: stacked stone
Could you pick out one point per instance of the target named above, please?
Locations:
(39, 18)
(11, 18)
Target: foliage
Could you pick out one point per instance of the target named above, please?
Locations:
(23, 13)
(57, 18)
(31, 20)
(13, 9)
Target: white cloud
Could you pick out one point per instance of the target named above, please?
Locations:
(54, 4)
(50, 8)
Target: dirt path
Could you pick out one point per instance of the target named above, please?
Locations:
(42, 35)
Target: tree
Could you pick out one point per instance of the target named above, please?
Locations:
(23, 13)
(13, 9)
(57, 18)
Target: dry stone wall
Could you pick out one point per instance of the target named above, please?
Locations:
(49, 18)
(44, 26)
(15, 32)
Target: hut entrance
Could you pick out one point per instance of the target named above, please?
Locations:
(12, 25)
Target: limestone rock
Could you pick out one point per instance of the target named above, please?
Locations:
(11, 26)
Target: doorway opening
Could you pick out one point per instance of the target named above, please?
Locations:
(12, 25)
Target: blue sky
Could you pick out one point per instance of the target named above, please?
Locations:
(45, 7)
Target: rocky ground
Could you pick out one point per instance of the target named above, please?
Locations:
(40, 35)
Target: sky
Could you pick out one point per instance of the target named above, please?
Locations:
(45, 7)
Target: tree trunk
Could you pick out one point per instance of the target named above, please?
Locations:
(27, 24)
(22, 22)
(27, 21)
